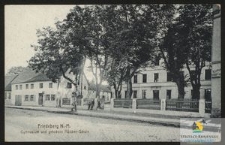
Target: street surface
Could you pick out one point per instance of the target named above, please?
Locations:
(30, 125)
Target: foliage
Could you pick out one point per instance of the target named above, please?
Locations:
(15, 70)
(61, 49)
(188, 43)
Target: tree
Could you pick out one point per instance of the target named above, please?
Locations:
(61, 49)
(115, 76)
(198, 43)
(187, 43)
(15, 70)
(131, 31)
(99, 47)
(90, 33)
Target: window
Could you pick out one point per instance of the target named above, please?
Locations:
(156, 77)
(31, 97)
(50, 85)
(168, 94)
(85, 87)
(155, 94)
(143, 94)
(27, 86)
(135, 78)
(52, 97)
(5, 95)
(47, 97)
(20, 87)
(31, 86)
(69, 85)
(208, 74)
(41, 85)
(169, 78)
(125, 94)
(16, 87)
(208, 95)
(65, 101)
(26, 98)
(135, 94)
(144, 78)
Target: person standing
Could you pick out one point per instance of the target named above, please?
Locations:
(74, 103)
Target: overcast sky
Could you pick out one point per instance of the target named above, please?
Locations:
(21, 23)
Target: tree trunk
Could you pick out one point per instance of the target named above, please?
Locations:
(180, 87)
(129, 88)
(116, 90)
(97, 91)
(196, 92)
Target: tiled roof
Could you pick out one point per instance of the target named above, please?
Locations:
(29, 75)
(8, 80)
(38, 78)
(103, 88)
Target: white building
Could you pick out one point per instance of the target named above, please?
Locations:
(155, 83)
(105, 92)
(31, 88)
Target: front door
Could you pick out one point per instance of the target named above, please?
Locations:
(40, 99)
(18, 100)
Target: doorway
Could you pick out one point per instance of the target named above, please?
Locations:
(40, 99)
(18, 100)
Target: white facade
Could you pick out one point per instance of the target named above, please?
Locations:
(162, 85)
(30, 92)
(47, 93)
(65, 93)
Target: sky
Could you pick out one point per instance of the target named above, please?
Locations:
(21, 23)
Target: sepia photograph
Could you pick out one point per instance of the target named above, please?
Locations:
(113, 73)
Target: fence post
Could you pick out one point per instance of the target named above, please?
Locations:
(82, 103)
(134, 105)
(111, 103)
(163, 104)
(202, 107)
(95, 103)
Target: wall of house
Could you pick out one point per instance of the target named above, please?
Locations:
(8, 98)
(107, 95)
(66, 93)
(162, 84)
(92, 94)
(51, 95)
(35, 92)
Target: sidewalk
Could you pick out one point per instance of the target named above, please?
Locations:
(158, 119)
(128, 116)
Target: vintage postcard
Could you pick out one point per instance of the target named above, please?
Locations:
(113, 73)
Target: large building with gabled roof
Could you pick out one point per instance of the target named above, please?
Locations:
(36, 89)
